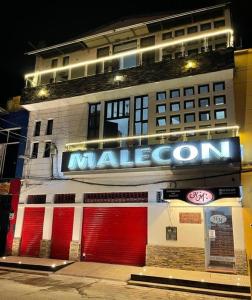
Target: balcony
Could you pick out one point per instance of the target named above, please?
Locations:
(112, 77)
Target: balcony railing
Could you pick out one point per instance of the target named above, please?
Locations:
(157, 138)
(175, 48)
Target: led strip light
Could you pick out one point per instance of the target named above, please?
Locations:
(165, 134)
(131, 52)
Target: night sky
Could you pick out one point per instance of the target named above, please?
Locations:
(46, 23)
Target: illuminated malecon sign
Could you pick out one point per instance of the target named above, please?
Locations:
(177, 154)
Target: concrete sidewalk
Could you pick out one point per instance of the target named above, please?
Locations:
(123, 272)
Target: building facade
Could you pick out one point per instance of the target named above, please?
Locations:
(13, 130)
(134, 148)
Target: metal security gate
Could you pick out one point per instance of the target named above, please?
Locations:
(32, 231)
(62, 230)
(115, 235)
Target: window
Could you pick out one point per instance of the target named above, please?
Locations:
(204, 127)
(190, 128)
(161, 108)
(117, 197)
(178, 54)
(49, 127)
(161, 96)
(188, 118)
(103, 52)
(220, 46)
(36, 199)
(219, 23)
(202, 89)
(189, 91)
(174, 93)
(205, 26)
(220, 114)
(35, 150)
(37, 128)
(116, 121)
(192, 52)
(93, 121)
(128, 61)
(179, 32)
(65, 61)
(167, 54)
(204, 102)
(219, 86)
(141, 115)
(192, 29)
(63, 75)
(64, 198)
(189, 104)
(167, 35)
(204, 116)
(47, 151)
(54, 63)
(175, 120)
(161, 121)
(219, 100)
(77, 72)
(148, 57)
(175, 106)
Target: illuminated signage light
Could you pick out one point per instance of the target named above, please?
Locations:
(186, 153)
(155, 135)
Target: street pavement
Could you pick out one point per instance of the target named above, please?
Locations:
(22, 286)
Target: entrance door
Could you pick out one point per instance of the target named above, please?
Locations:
(219, 239)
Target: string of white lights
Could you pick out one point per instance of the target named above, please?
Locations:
(135, 51)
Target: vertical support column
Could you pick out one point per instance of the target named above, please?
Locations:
(18, 231)
(75, 245)
(45, 244)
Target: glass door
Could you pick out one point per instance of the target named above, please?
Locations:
(219, 239)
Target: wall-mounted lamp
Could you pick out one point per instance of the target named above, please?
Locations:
(43, 93)
(190, 65)
(119, 78)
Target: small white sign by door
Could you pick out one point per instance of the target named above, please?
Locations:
(211, 234)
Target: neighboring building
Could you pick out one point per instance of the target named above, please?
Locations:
(13, 130)
(243, 108)
(134, 154)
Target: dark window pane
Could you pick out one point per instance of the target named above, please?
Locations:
(203, 89)
(204, 102)
(204, 116)
(49, 127)
(94, 121)
(167, 35)
(37, 128)
(175, 120)
(219, 23)
(47, 151)
(161, 108)
(35, 150)
(219, 100)
(189, 118)
(220, 114)
(161, 122)
(179, 32)
(174, 93)
(161, 95)
(192, 29)
(189, 104)
(175, 106)
(205, 26)
(189, 91)
(219, 86)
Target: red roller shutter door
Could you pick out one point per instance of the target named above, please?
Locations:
(115, 235)
(32, 231)
(62, 230)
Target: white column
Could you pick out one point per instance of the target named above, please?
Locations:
(19, 222)
(47, 226)
(77, 224)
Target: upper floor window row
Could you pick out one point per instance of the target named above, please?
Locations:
(193, 29)
(49, 128)
(190, 91)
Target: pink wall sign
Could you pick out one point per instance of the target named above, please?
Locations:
(200, 196)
